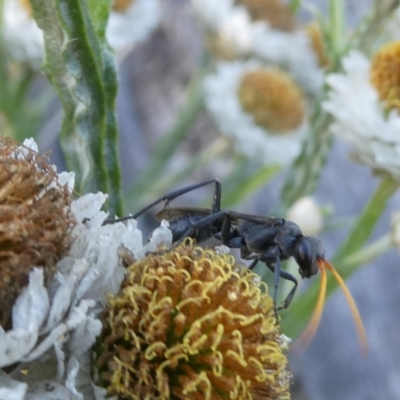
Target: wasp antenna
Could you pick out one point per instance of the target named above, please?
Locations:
(353, 308)
(309, 332)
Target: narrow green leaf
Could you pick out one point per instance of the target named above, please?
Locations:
(78, 63)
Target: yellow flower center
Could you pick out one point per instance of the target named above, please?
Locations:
(314, 33)
(121, 5)
(190, 323)
(385, 74)
(27, 5)
(273, 99)
(275, 12)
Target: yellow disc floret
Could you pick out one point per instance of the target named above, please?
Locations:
(385, 74)
(273, 99)
(190, 323)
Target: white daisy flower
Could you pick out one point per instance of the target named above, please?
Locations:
(364, 102)
(130, 22)
(306, 213)
(260, 108)
(47, 350)
(22, 37)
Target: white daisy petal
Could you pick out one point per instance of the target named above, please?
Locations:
(15, 344)
(32, 306)
(360, 116)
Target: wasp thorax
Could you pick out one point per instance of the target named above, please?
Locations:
(35, 220)
(191, 323)
(273, 99)
(385, 74)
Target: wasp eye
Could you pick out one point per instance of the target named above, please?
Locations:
(307, 251)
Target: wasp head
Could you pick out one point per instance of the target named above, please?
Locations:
(308, 251)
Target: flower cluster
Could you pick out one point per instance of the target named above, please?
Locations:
(54, 323)
(259, 92)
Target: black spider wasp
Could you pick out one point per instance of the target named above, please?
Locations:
(266, 239)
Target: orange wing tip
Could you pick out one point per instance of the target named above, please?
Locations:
(362, 335)
(309, 332)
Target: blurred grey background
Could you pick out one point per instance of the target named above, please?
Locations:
(153, 80)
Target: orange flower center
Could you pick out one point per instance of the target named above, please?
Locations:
(385, 74)
(273, 99)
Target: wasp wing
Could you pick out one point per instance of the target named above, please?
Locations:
(236, 218)
(172, 213)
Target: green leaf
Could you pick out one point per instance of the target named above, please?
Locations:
(81, 68)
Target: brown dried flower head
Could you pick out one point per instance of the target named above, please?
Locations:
(190, 323)
(35, 220)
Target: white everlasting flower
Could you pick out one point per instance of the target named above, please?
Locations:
(306, 213)
(132, 23)
(22, 37)
(360, 117)
(47, 350)
(222, 100)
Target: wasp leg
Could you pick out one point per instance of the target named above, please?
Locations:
(279, 273)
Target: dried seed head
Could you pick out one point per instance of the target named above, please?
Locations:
(35, 220)
(275, 12)
(190, 323)
(273, 99)
(385, 74)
